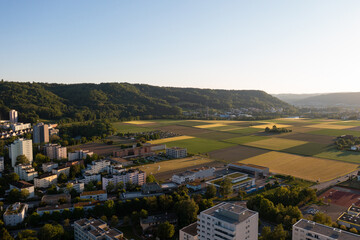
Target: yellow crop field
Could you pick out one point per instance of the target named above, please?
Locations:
(218, 121)
(309, 168)
(172, 165)
(270, 125)
(275, 143)
(171, 139)
(211, 125)
(139, 122)
(329, 126)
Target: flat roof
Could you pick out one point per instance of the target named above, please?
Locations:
(55, 207)
(190, 229)
(21, 184)
(219, 210)
(93, 192)
(350, 218)
(45, 175)
(326, 230)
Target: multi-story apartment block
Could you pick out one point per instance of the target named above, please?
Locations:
(47, 167)
(98, 167)
(89, 229)
(176, 152)
(99, 195)
(2, 164)
(41, 133)
(189, 232)
(22, 185)
(79, 154)
(45, 180)
(61, 169)
(15, 214)
(133, 176)
(228, 221)
(13, 116)
(77, 186)
(20, 127)
(192, 175)
(26, 172)
(91, 178)
(21, 147)
(55, 151)
(308, 230)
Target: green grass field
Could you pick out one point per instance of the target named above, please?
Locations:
(308, 149)
(335, 132)
(245, 139)
(345, 156)
(128, 128)
(199, 145)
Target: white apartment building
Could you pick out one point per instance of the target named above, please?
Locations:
(20, 126)
(189, 232)
(176, 152)
(2, 164)
(22, 185)
(228, 221)
(41, 133)
(77, 186)
(90, 178)
(61, 169)
(21, 147)
(98, 167)
(47, 167)
(26, 172)
(192, 175)
(134, 176)
(13, 116)
(99, 195)
(308, 230)
(55, 151)
(45, 180)
(79, 154)
(15, 214)
(94, 229)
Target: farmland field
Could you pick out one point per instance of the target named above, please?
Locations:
(309, 168)
(301, 153)
(275, 143)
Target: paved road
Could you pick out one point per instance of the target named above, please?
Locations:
(333, 182)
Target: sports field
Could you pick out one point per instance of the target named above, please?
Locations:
(307, 152)
(309, 168)
(166, 166)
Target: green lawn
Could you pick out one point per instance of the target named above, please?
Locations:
(125, 128)
(246, 131)
(199, 145)
(348, 123)
(309, 149)
(244, 139)
(335, 132)
(346, 156)
(217, 135)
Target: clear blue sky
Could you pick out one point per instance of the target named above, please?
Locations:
(277, 46)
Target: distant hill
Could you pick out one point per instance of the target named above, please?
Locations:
(294, 98)
(349, 99)
(121, 100)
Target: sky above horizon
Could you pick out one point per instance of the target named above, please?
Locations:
(276, 46)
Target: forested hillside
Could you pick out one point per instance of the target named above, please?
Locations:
(121, 100)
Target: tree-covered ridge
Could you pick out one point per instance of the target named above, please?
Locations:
(122, 100)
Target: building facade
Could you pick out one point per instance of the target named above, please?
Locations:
(45, 180)
(79, 154)
(176, 152)
(55, 151)
(13, 116)
(41, 133)
(2, 164)
(15, 214)
(26, 172)
(97, 167)
(189, 232)
(61, 169)
(133, 176)
(22, 185)
(192, 175)
(21, 147)
(308, 230)
(47, 167)
(99, 195)
(227, 221)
